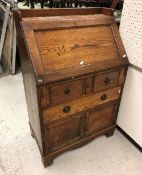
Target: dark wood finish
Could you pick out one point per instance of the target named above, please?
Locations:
(66, 92)
(74, 67)
(26, 13)
(29, 80)
(98, 119)
(63, 132)
(48, 159)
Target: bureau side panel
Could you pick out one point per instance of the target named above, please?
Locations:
(30, 87)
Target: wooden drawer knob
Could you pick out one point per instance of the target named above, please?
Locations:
(107, 81)
(67, 91)
(103, 97)
(66, 109)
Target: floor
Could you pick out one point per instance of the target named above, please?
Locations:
(19, 154)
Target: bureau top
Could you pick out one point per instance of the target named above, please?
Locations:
(62, 47)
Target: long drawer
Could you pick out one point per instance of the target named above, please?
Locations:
(76, 106)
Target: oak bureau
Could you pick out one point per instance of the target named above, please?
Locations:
(74, 67)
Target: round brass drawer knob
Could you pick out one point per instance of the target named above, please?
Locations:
(67, 91)
(103, 97)
(66, 109)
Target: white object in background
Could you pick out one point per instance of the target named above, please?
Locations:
(6, 15)
(131, 30)
(130, 112)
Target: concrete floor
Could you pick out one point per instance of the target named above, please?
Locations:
(19, 154)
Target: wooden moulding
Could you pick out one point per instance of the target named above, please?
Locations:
(25, 13)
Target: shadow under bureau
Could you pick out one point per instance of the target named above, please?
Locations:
(74, 67)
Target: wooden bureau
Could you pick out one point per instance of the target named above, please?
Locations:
(74, 67)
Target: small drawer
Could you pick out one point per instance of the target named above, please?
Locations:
(106, 80)
(65, 92)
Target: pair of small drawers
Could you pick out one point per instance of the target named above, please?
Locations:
(58, 94)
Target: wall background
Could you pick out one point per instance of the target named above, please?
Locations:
(130, 113)
(131, 30)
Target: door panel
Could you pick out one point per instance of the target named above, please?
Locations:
(100, 118)
(63, 132)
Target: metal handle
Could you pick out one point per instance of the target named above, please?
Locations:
(66, 109)
(107, 81)
(67, 91)
(103, 97)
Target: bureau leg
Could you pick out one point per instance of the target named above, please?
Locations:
(110, 133)
(47, 162)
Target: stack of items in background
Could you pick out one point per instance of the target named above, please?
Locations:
(66, 3)
(7, 38)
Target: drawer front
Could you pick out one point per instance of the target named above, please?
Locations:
(98, 119)
(65, 92)
(106, 80)
(61, 133)
(76, 106)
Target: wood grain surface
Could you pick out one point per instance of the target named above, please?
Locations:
(74, 67)
(71, 48)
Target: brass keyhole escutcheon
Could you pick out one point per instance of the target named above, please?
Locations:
(67, 91)
(107, 81)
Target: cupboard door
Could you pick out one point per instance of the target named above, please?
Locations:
(61, 133)
(98, 119)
